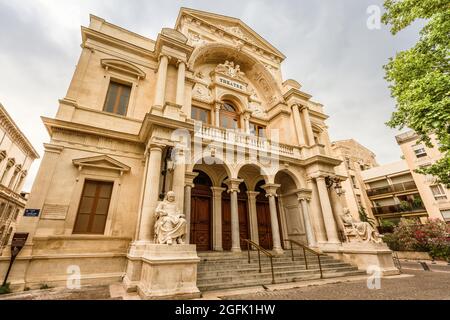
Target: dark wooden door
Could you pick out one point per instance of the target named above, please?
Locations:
(201, 213)
(226, 221)
(243, 222)
(264, 224)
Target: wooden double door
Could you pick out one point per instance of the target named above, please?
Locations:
(201, 214)
(244, 232)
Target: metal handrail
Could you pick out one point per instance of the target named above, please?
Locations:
(305, 248)
(260, 249)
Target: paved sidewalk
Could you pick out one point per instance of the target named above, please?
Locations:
(420, 285)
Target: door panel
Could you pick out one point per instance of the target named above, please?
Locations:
(264, 225)
(201, 223)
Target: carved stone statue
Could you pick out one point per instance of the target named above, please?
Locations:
(358, 231)
(230, 69)
(170, 225)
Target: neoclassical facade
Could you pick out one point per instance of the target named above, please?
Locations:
(16, 156)
(202, 111)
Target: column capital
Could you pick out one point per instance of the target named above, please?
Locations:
(304, 195)
(155, 147)
(179, 61)
(163, 56)
(252, 194)
(271, 189)
(189, 178)
(233, 184)
(217, 191)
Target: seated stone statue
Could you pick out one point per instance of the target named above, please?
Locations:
(357, 230)
(170, 225)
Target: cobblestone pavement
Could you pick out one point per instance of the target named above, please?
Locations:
(424, 285)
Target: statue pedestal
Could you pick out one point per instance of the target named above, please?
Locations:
(365, 255)
(166, 272)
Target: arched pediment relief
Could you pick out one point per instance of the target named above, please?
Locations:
(202, 93)
(250, 68)
(197, 40)
(101, 162)
(230, 69)
(123, 67)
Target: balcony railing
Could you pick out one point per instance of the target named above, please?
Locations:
(247, 141)
(399, 208)
(398, 187)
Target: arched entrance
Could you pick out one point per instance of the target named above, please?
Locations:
(244, 232)
(201, 213)
(263, 216)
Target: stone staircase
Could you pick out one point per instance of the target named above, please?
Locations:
(225, 270)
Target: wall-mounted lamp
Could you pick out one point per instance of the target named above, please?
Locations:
(336, 183)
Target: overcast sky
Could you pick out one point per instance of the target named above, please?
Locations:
(329, 50)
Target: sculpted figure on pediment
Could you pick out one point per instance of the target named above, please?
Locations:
(230, 69)
(202, 93)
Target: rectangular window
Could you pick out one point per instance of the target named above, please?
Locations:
(93, 208)
(257, 130)
(446, 215)
(117, 98)
(201, 114)
(228, 122)
(438, 192)
(420, 151)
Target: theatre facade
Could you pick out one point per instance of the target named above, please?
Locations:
(204, 112)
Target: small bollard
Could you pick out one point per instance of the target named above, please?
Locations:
(425, 266)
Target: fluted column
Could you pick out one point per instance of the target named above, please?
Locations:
(151, 192)
(310, 236)
(233, 190)
(217, 218)
(253, 216)
(189, 184)
(309, 131)
(271, 193)
(160, 93)
(181, 83)
(327, 212)
(298, 125)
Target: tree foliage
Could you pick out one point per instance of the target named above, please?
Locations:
(419, 77)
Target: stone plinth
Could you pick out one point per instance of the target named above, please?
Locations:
(365, 255)
(168, 272)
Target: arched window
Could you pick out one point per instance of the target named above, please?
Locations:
(229, 118)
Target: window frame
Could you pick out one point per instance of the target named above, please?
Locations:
(258, 128)
(208, 114)
(441, 195)
(92, 215)
(116, 105)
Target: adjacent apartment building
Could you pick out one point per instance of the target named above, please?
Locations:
(16, 156)
(396, 191)
(435, 196)
(355, 159)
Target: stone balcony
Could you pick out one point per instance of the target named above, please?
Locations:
(210, 134)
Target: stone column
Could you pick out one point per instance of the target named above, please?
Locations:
(217, 114)
(233, 189)
(246, 116)
(310, 236)
(179, 177)
(253, 216)
(160, 94)
(338, 210)
(181, 83)
(188, 185)
(309, 131)
(327, 212)
(298, 125)
(151, 193)
(271, 193)
(217, 218)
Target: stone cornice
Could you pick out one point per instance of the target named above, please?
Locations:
(16, 134)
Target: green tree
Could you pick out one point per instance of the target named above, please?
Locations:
(419, 77)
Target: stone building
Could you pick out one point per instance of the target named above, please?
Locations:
(204, 111)
(393, 193)
(16, 156)
(355, 159)
(435, 196)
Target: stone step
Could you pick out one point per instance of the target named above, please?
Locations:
(267, 274)
(259, 282)
(255, 266)
(263, 258)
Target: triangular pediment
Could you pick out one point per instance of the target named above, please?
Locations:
(101, 162)
(232, 26)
